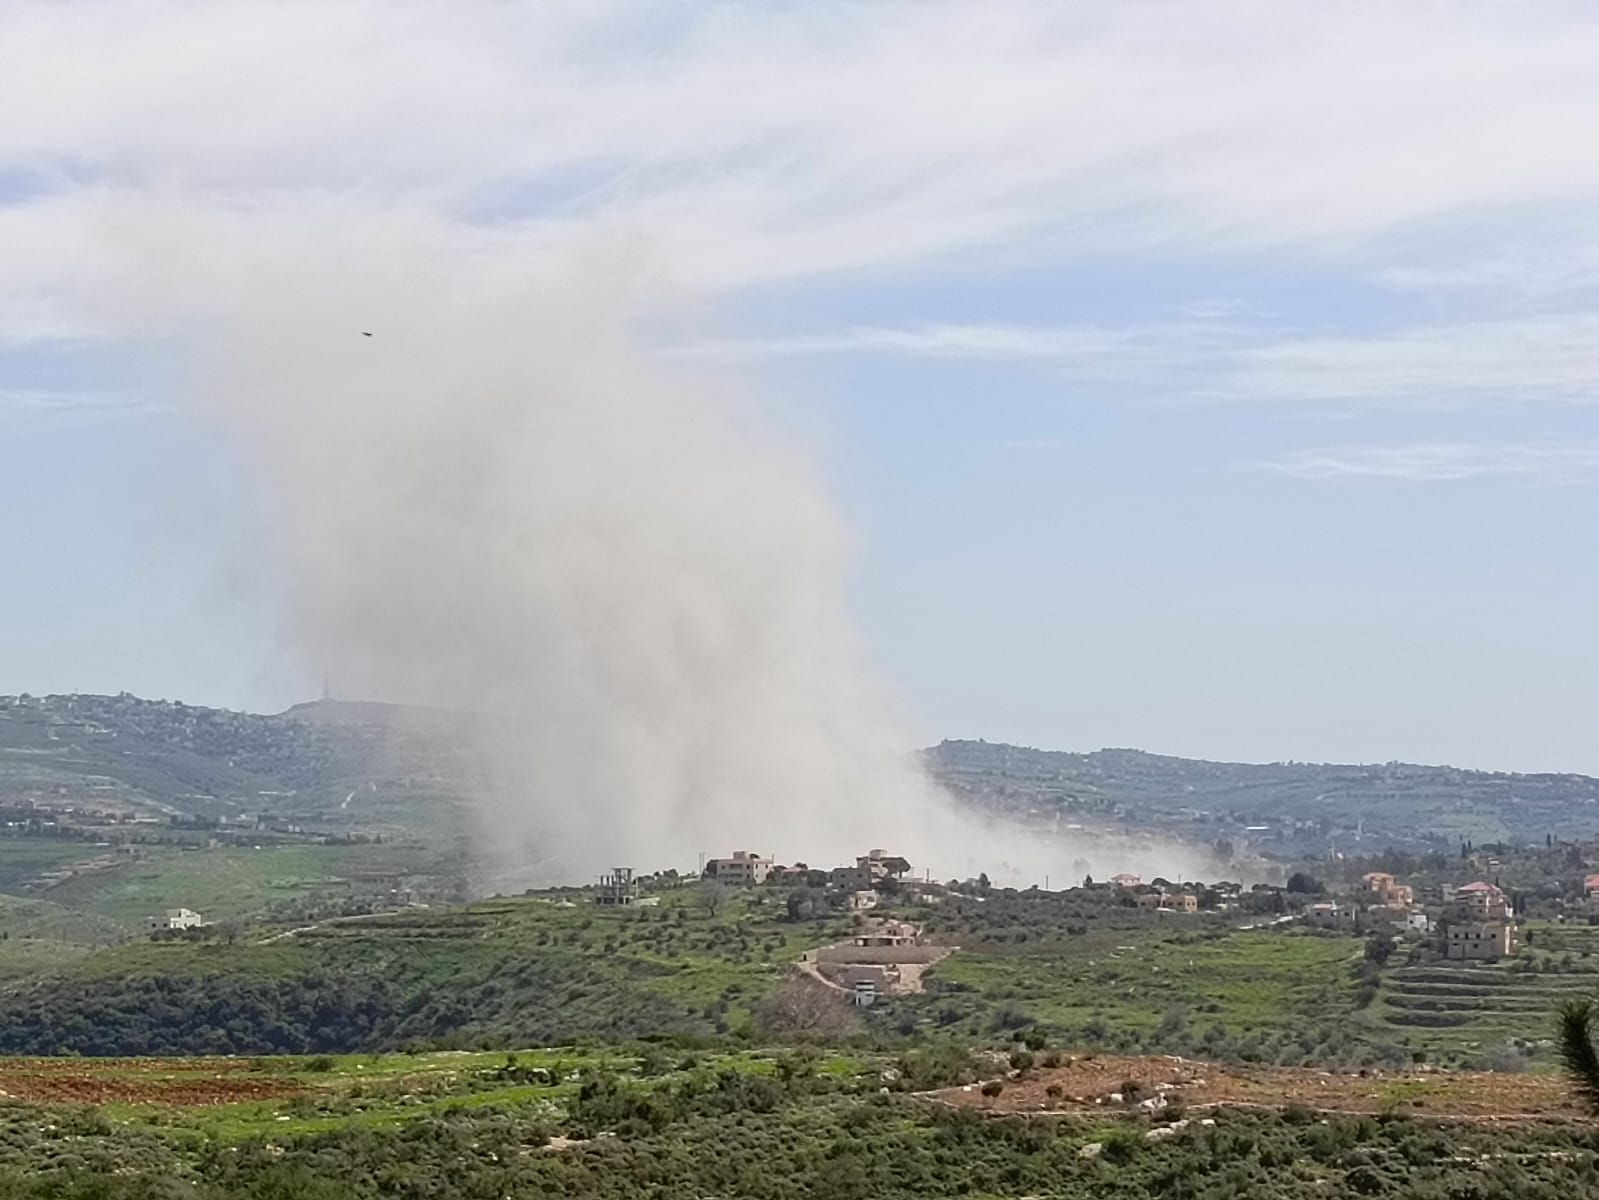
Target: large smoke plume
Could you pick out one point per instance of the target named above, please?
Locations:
(497, 503)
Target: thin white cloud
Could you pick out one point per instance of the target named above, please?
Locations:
(1545, 359)
(37, 408)
(1445, 462)
(1003, 343)
(764, 142)
(1165, 358)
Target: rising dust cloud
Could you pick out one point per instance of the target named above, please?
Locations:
(498, 504)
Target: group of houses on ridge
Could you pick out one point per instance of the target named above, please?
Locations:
(1474, 921)
(1156, 897)
(744, 868)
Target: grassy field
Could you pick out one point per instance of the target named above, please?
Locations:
(290, 1096)
(24, 859)
(230, 881)
(37, 936)
(1114, 985)
(113, 894)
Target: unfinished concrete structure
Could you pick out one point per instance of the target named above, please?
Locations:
(1485, 941)
(617, 888)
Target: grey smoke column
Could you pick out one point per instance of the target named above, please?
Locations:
(497, 503)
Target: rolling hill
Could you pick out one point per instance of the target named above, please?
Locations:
(412, 767)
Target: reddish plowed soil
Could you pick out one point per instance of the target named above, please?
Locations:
(186, 1082)
(1095, 1083)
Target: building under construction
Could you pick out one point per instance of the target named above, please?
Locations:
(619, 887)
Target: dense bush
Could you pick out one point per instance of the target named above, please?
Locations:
(722, 1135)
(197, 1014)
(537, 999)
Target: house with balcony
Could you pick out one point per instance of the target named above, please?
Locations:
(743, 869)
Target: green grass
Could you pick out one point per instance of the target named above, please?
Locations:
(383, 1091)
(24, 859)
(38, 935)
(1243, 981)
(230, 881)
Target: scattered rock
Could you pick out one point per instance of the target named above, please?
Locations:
(1092, 1150)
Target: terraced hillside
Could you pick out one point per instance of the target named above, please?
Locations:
(1464, 1011)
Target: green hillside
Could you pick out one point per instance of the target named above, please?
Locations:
(369, 766)
(504, 972)
(378, 768)
(1285, 808)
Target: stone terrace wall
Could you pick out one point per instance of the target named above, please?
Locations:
(881, 954)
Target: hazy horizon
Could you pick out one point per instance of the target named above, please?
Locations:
(929, 744)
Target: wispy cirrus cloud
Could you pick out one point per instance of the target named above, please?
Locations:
(35, 408)
(1172, 358)
(1550, 358)
(992, 342)
(765, 143)
(1544, 359)
(1445, 462)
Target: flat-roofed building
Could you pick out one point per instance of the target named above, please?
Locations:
(743, 868)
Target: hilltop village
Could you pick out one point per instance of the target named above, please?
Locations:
(1445, 914)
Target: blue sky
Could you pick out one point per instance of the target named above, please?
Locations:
(1216, 380)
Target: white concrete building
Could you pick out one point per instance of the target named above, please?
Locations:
(176, 918)
(1418, 922)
